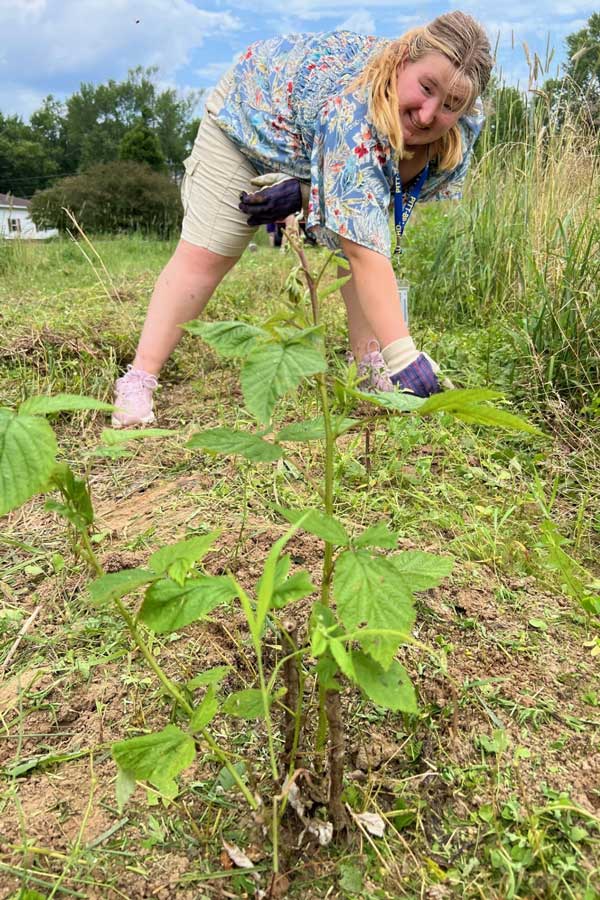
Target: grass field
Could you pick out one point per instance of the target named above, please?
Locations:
(492, 790)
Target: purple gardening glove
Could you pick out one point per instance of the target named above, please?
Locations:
(419, 377)
(279, 196)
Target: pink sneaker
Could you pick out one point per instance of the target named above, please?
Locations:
(133, 398)
(372, 370)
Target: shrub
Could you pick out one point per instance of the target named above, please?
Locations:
(110, 198)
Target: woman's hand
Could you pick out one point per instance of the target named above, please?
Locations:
(278, 197)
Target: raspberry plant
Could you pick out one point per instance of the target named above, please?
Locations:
(362, 610)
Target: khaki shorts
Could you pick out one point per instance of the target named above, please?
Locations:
(216, 173)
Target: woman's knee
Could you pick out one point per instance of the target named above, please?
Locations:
(201, 261)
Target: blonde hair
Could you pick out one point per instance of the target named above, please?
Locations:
(460, 39)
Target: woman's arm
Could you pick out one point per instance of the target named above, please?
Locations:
(371, 298)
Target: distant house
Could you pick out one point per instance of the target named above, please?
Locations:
(15, 221)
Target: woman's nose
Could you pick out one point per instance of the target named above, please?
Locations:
(428, 111)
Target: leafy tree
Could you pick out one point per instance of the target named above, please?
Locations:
(25, 161)
(140, 144)
(112, 197)
(98, 117)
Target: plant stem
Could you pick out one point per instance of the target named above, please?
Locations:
(337, 748)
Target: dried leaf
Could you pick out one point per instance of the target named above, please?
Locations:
(373, 823)
(238, 856)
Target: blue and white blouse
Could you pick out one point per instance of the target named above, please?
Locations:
(289, 110)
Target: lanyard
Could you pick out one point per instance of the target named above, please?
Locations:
(403, 210)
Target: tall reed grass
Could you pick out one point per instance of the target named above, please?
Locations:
(523, 248)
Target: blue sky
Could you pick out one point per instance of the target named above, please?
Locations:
(51, 46)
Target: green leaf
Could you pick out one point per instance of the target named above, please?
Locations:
(314, 429)
(498, 743)
(310, 430)
(176, 560)
(211, 676)
(391, 688)
(205, 712)
(451, 401)
(78, 508)
(316, 522)
(157, 758)
(168, 606)
(124, 788)
(117, 584)
(333, 286)
(296, 587)
(111, 437)
(470, 406)
(272, 370)
(247, 704)
(43, 405)
(286, 589)
(230, 441)
(229, 339)
(27, 458)
(420, 571)
(395, 401)
(342, 658)
(377, 535)
(496, 418)
(368, 591)
(326, 670)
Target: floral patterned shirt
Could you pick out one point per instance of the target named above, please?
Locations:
(289, 110)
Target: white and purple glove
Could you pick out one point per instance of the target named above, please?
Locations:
(278, 196)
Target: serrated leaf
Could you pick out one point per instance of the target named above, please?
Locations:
(420, 571)
(457, 399)
(205, 712)
(117, 584)
(316, 522)
(211, 676)
(247, 704)
(168, 606)
(326, 670)
(314, 429)
(310, 430)
(27, 458)
(272, 370)
(43, 405)
(240, 443)
(377, 535)
(182, 555)
(229, 339)
(368, 591)
(478, 414)
(111, 437)
(157, 758)
(296, 587)
(391, 688)
(397, 401)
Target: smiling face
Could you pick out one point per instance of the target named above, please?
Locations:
(429, 103)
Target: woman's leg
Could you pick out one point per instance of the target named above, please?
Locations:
(360, 332)
(183, 289)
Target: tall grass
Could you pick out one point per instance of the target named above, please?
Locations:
(523, 249)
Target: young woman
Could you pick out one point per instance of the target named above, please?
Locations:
(343, 114)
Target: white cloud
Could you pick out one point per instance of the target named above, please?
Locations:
(56, 40)
(362, 22)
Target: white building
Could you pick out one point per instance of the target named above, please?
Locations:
(15, 221)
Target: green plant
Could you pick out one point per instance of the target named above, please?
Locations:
(365, 607)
